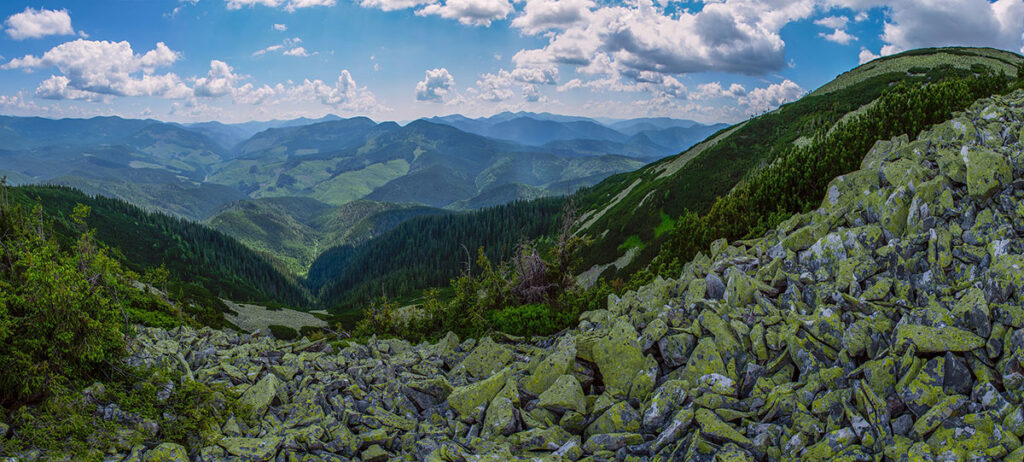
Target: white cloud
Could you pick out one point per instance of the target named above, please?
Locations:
(249, 94)
(266, 50)
(288, 5)
(56, 87)
(739, 36)
(435, 86)
(392, 5)
(33, 23)
(547, 75)
(543, 15)
(866, 55)
(297, 51)
(219, 81)
(344, 94)
(838, 26)
(280, 27)
(531, 94)
(761, 100)
(470, 12)
(495, 87)
(839, 36)
(833, 22)
(913, 24)
(714, 90)
(105, 68)
(288, 47)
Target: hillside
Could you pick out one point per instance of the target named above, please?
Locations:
(641, 138)
(882, 325)
(294, 230)
(637, 209)
(424, 163)
(199, 259)
(426, 251)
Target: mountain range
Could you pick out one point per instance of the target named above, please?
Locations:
(193, 170)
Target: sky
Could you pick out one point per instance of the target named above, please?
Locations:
(241, 60)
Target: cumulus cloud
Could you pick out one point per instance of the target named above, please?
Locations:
(495, 87)
(714, 90)
(435, 86)
(297, 51)
(33, 23)
(288, 5)
(547, 75)
(761, 100)
(866, 55)
(731, 36)
(838, 26)
(469, 12)
(531, 94)
(542, 15)
(839, 36)
(219, 81)
(104, 68)
(833, 22)
(392, 5)
(342, 94)
(926, 23)
(280, 27)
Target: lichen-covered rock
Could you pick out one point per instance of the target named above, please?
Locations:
(555, 365)
(251, 449)
(987, 171)
(928, 339)
(564, 395)
(618, 418)
(618, 356)
(260, 396)
(471, 400)
(487, 358)
(166, 452)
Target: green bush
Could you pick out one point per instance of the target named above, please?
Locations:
(66, 426)
(528, 320)
(283, 332)
(62, 315)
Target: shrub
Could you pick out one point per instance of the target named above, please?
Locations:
(527, 320)
(283, 332)
(62, 316)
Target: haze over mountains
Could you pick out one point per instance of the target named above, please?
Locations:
(449, 162)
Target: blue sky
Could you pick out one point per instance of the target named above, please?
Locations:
(239, 60)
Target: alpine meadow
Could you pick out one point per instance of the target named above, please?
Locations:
(490, 230)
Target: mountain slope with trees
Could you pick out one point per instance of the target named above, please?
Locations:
(636, 210)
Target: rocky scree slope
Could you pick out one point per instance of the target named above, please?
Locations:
(886, 325)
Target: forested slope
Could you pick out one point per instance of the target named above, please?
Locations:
(202, 260)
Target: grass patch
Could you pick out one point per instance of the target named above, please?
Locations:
(632, 242)
(666, 225)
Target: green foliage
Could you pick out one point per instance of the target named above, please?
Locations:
(283, 332)
(532, 293)
(202, 265)
(534, 319)
(426, 251)
(62, 315)
(631, 242)
(796, 179)
(67, 425)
